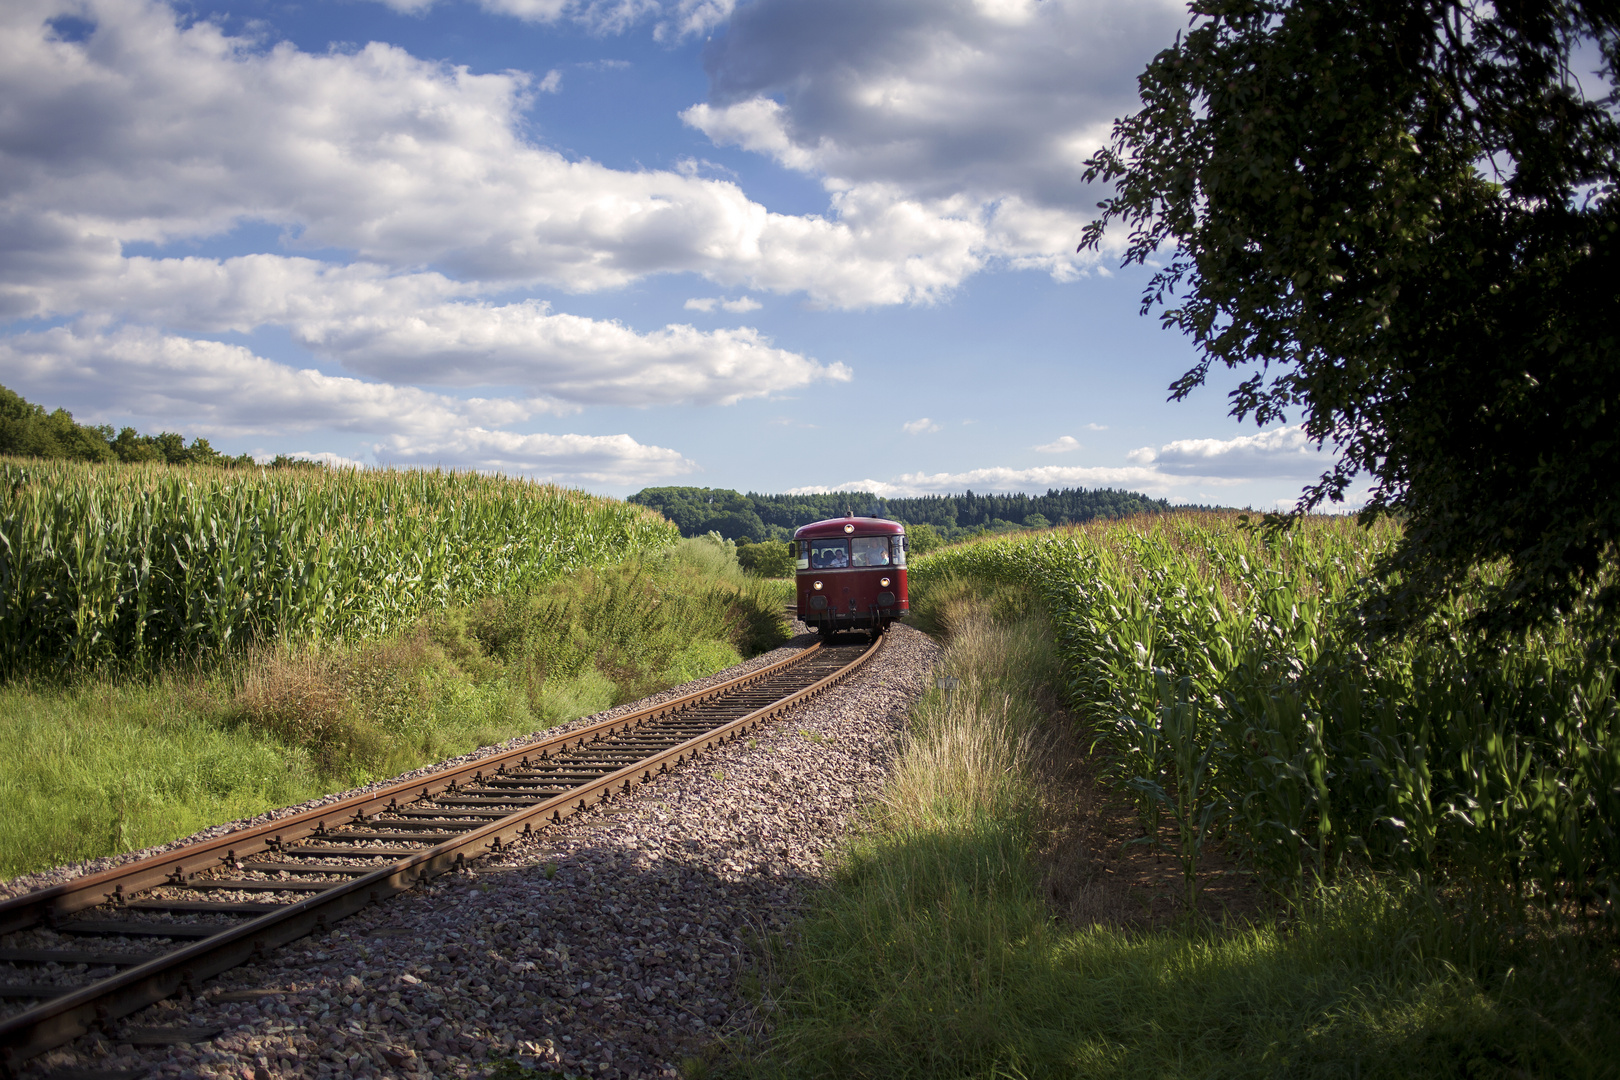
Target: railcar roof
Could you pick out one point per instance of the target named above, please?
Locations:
(864, 526)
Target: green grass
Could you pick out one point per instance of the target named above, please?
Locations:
(100, 765)
(933, 955)
(100, 768)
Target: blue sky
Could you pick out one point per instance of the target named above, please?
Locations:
(773, 245)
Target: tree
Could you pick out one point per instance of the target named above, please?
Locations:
(771, 559)
(923, 538)
(1401, 216)
(27, 430)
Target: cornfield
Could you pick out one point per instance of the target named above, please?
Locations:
(1212, 667)
(137, 566)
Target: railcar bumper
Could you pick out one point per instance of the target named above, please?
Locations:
(853, 620)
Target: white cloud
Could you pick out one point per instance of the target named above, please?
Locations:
(414, 327)
(1006, 480)
(551, 84)
(1282, 453)
(990, 104)
(919, 427)
(671, 21)
(1061, 445)
(1187, 469)
(210, 388)
(608, 460)
(740, 305)
(567, 358)
(154, 131)
(216, 388)
(325, 457)
(1035, 480)
(1096, 427)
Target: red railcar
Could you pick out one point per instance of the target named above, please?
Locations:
(851, 574)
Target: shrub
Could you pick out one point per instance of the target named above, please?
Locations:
(771, 559)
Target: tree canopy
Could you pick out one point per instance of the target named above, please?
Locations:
(1399, 216)
(27, 430)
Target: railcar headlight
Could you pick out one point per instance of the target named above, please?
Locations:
(849, 528)
(883, 581)
(816, 586)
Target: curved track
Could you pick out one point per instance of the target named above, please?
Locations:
(155, 927)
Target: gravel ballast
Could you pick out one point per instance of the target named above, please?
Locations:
(609, 945)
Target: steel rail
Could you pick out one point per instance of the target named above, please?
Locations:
(79, 1011)
(35, 908)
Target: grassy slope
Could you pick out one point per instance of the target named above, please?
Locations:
(934, 954)
(102, 766)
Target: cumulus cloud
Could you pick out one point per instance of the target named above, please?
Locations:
(1282, 453)
(1096, 427)
(567, 358)
(1180, 469)
(940, 96)
(415, 327)
(326, 457)
(212, 388)
(919, 427)
(670, 21)
(1000, 478)
(153, 130)
(613, 460)
(708, 303)
(1144, 474)
(1060, 445)
(998, 104)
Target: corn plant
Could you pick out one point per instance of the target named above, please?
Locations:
(1436, 753)
(136, 566)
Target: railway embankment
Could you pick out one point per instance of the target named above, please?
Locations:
(616, 944)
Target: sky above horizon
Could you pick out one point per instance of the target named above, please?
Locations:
(778, 245)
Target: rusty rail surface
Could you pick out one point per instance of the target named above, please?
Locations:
(484, 805)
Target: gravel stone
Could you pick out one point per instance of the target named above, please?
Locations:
(609, 945)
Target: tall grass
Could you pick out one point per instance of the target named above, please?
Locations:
(933, 955)
(1212, 666)
(100, 764)
(134, 567)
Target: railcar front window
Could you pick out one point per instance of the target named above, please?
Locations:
(828, 554)
(897, 545)
(870, 551)
(801, 554)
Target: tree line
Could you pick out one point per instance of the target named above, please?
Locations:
(755, 517)
(27, 430)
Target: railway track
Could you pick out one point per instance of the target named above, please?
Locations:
(77, 957)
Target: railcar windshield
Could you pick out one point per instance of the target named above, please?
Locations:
(828, 554)
(898, 549)
(870, 551)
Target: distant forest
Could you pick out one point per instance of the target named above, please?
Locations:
(696, 511)
(27, 430)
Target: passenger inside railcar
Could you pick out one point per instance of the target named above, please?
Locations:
(829, 554)
(870, 551)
